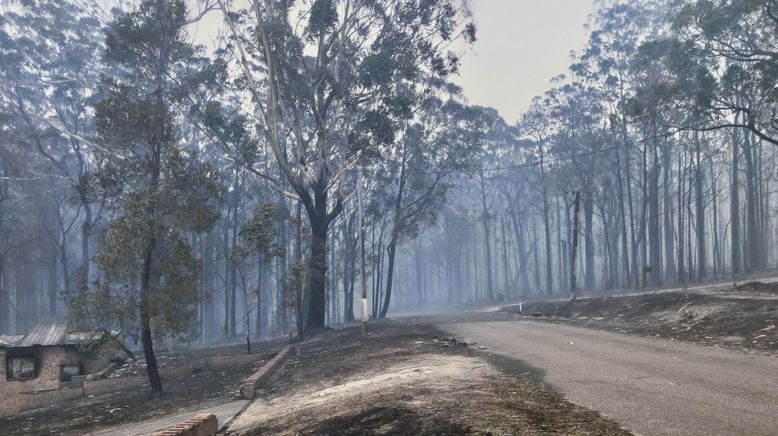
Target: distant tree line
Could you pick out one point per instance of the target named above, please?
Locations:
(665, 123)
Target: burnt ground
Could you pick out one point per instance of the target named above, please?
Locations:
(202, 390)
(742, 317)
(400, 380)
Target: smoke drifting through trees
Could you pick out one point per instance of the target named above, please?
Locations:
(665, 124)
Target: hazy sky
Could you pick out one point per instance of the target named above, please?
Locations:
(521, 45)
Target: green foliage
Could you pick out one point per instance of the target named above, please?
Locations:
(323, 18)
(259, 235)
(159, 194)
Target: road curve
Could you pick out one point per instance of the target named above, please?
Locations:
(650, 386)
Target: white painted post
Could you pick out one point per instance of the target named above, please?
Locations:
(361, 244)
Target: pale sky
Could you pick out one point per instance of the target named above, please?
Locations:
(521, 45)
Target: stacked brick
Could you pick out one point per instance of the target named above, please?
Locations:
(254, 381)
(204, 424)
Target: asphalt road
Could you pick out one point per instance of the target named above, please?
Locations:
(650, 386)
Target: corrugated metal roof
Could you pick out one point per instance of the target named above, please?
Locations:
(9, 340)
(48, 331)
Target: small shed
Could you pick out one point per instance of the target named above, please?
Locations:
(48, 355)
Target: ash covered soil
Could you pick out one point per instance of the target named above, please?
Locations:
(740, 317)
(406, 379)
(203, 389)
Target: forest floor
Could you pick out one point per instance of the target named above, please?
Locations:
(741, 317)
(405, 378)
(203, 389)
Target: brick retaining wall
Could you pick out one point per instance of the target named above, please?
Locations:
(204, 424)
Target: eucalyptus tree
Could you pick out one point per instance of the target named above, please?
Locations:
(259, 238)
(498, 140)
(738, 47)
(157, 187)
(576, 124)
(50, 78)
(740, 42)
(604, 64)
(20, 181)
(326, 75)
(415, 171)
(517, 188)
(535, 126)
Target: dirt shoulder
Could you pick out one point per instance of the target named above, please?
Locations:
(742, 317)
(399, 380)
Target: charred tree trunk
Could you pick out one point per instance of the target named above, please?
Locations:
(667, 208)
(655, 262)
(506, 274)
(546, 227)
(349, 269)
(522, 252)
(147, 338)
(623, 219)
(317, 266)
(716, 247)
(391, 252)
(699, 202)
(233, 280)
(588, 206)
(485, 221)
(681, 225)
(734, 204)
(86, 235)
(576, 226)
(282, 267)
(753, 257)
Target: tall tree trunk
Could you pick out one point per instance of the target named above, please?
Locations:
(645, 268)
(209, 315)
(505, 260)
(588, 206)
(734, 204)
(628, 166)
(535, 255)
(667, 203)
(753, 258)
(418, 270)
(349, 269)
(623, 218)
(282, 267)
(522, 252)
(233, 289)
(681, 188)
(716, 247)
(655, 262)
(299, 306)
(546, 227)
(576, 226)
(487, 238)
(700, 211)
(561, 259)
(317, 266)
(392, 251)
(86, 235)
(258, 313)
(147, 338)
